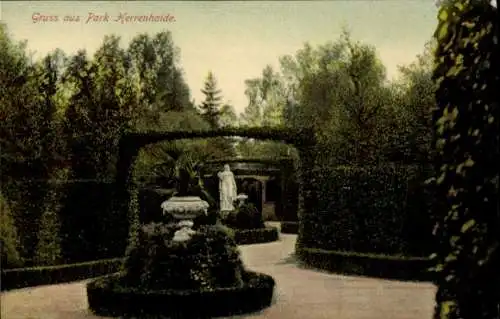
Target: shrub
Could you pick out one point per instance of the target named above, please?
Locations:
(467, 70)
(208, 260)
(245, 217)
(368, 210)
(255, 236)
(49, 275)
(9, 241)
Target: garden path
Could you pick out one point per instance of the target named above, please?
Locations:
(300, 293)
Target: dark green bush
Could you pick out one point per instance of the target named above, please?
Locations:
(49, 275)
(368, 210)
(208, 260)
(245, 217)
(255, 236)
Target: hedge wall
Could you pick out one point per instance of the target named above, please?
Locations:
(17, 278)
(289, 203)
(150, 200)
(89, 225)
(368, 210)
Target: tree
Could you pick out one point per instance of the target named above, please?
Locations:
(211, 106)
(228, 116)
(158, 76)
(414, 105)
(267, 98)
(28, 135)
(338, 89)
(102, 106)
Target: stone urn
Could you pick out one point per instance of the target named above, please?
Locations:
(241, 199)
(184, 209)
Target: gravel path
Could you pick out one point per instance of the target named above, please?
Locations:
(299, 293)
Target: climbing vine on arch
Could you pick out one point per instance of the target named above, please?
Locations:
(467, 73)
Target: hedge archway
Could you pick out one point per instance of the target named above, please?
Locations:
(130, 144)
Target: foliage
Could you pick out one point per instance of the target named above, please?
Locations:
(89, 227)
(212, 110)
(266, 101)
(466, 128)
(50, 275)
(9, 240)
(150, 200)
(256, 235)
(158, 75)
(364, 119)
(155, 164)
(211, 106)
(368, 210)
(209, 260)
(48, 251)
(100, 108)
(414, 98)
(246, 216)
(188, 180)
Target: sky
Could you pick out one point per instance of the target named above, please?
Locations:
(233, 39)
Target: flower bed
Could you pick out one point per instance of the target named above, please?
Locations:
(109, 296)
(255, 236)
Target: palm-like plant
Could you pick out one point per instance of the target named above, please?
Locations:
(188, 179)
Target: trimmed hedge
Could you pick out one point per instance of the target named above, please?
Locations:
(368, 210)
(17, 278)
(289, 227)
(380, 266)
(106, 297)
(255, 236)
(90, 227)
(150, 200)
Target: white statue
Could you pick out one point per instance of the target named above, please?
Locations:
(227, 189)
